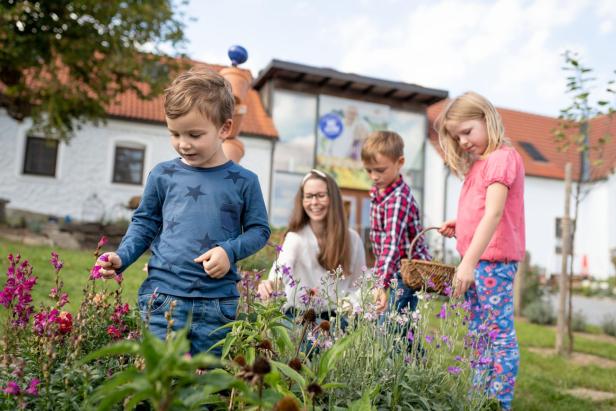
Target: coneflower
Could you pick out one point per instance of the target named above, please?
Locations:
(261, 366)
(265, 345)
(309, 317)
(287, 403)
(325, 326)
(314, 389)
(296, 364)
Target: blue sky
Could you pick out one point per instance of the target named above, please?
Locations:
(508, 50)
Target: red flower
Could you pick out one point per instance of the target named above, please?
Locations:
(65, 322)
(114, 332)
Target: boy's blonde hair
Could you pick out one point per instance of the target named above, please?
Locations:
(202, 88)
(385, 143)
(468, 106)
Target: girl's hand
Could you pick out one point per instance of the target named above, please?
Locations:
(448, 228)
(109, 263)
(215, 262)
(464, 278)
(265, 289)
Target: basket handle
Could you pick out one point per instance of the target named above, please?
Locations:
(422, 232)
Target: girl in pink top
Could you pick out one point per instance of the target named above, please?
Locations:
(490, 234)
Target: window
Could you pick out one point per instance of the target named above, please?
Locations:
(128, 165)
(41, 156)
(532, 151)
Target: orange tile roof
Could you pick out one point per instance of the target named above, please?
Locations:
(539, 130)
(255, 122)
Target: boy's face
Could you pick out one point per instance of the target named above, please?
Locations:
(383, 171)
(197, 140)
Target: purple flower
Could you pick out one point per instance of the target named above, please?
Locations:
(410, 336)
(445, 339)
(493, 334)
(95, 273)
(429, 339)
(17, 291)
(55, 261)
(104, 257)
(63, 300)
(454, 370)
(447, 290)
(12, 388)
(458, 358)
(443, 313)
(33, 387)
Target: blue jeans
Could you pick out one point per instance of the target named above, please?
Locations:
(406, 299)
(207, 314)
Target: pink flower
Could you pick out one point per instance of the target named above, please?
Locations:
(443, 313)
(33, 387)
(490, 282)
(95, 273)
(63, 300)
(12, 388)
(102, 242)
(55, 261)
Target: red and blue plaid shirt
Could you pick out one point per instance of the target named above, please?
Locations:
(394, 222)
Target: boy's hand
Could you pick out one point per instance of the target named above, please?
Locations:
(215, 262)
(109, 265)
(464, 278)
(265, 289)
(381, 300)
(448, 228)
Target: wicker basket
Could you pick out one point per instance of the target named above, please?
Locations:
(430, 276)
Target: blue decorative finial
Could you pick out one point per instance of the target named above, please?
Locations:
(237, 54)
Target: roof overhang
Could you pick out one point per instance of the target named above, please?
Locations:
(328, 79)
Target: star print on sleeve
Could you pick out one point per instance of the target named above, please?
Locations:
(170, 170)
(194, 192)
(234, 175)
(170, 225)
(206, 242)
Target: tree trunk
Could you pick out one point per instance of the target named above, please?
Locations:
(561, 325)
(518, 285)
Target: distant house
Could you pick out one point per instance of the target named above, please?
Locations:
(532, 135)
(93, 177)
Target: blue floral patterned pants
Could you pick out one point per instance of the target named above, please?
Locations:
(491, 304)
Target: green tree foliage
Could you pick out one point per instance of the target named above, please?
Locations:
(62, 62)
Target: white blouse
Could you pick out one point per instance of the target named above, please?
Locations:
(299, 253)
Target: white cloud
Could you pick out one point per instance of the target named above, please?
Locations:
(507, 49)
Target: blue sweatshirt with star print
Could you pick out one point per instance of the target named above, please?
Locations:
(185, 211)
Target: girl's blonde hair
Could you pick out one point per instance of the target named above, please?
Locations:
(468, 106)
(335, 244)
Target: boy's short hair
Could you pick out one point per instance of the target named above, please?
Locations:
(385, 143)
(203, 88)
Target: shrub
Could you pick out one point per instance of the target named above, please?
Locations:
(579, 321)
(540, 312)
(609, 325)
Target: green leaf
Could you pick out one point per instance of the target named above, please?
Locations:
(328, 359)
(290, 373)
(120, 348)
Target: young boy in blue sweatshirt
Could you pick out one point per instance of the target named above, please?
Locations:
(199, 214)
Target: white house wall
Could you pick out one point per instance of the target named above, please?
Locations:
(82, 188)
(258, 159)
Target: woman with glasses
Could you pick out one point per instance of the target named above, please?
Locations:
(322, 260)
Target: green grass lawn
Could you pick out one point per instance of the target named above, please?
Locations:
(542, 381)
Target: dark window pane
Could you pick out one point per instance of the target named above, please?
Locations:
(532, 151)
(128, 165)
(41, 156)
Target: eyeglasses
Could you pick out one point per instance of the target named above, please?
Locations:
(319, 196)
(311, 172)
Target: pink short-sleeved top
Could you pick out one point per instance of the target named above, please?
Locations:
(504, 166)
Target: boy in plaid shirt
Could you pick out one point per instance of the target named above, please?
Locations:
(394, 216)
